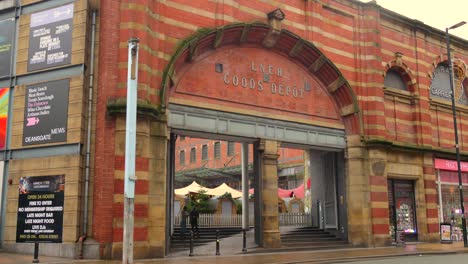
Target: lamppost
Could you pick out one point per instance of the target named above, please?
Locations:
(454, 112)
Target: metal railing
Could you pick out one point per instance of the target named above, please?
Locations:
(235, 220)
(295, 219)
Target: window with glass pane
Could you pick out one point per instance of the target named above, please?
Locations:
(182, 157)
(217, 150)
(193, 155)
(230, 148)
(204, 154)
(393, 79)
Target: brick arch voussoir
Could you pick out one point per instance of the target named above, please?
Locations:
(296, 48)
(441, 58)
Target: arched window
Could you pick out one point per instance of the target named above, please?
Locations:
(193, 155)
(182, 157)
(217, 150)
(204, 152)
(230, 148)
(393, 79)
(440, 85)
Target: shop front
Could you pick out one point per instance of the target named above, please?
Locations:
(402, 209)
(448, 193)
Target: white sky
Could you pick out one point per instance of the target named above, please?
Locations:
(435, 13)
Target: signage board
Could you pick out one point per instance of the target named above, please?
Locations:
(257, 80)
(7, 30)
(46, 112)
(40, 209)
(50, 38)
(2, 176)
(440, 86)
(445, 233)
(451, 165)
(4, 96)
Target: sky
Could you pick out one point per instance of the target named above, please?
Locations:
(435, 13)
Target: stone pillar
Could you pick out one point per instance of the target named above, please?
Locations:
(157, 189)
(428, 217)
(359, 213)
(269, 163)
(245, 186)
(378, 189)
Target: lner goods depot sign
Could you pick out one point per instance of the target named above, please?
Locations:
(258, 80)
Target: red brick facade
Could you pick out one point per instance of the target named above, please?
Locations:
(345, 47)
(315, 64)
(324, 65)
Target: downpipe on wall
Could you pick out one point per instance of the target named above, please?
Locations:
(82, 238)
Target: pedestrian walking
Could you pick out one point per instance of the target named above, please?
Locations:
(183, 221)
(194, 214)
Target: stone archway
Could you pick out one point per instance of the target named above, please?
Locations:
(300, 54)
(297, 50)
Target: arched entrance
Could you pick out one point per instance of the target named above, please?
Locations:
(226, 83)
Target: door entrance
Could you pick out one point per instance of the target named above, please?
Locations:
(204, 163)
(327, 191)
(401, 200)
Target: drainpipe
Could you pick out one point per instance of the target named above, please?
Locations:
(88, 137)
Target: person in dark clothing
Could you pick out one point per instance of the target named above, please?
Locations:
(183, 221)
(194, 214)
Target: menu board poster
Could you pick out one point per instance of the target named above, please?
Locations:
(4, 97)
(445, 232)
(46, 112)
(40, 209)
(7, 30)
(50, 38)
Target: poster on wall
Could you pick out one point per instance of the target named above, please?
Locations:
(46, 112)
(4, 94)
(1, 182)
(50, 38)
(40, 209)
(7, 30)
(445, 233)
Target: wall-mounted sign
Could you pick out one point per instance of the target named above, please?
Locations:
(40, 209)
(445, 233)
(7, 29)
(4, 94)
(2, 163)
(50, 38)
(46, 112)
(259, 81)
(440, 86)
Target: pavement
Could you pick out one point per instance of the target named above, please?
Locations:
(293, 257)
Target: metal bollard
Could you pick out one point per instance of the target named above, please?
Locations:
(36, 251)
(217, 242)
(191, 244)
(244, 241)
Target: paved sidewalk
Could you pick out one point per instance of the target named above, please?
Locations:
(323, 256)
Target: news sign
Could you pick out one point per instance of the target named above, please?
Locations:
(46, 112)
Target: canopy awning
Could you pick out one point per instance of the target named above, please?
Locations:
(224, 188)
(283, 193)
(194, 187)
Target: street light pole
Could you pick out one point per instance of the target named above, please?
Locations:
(455, 128)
